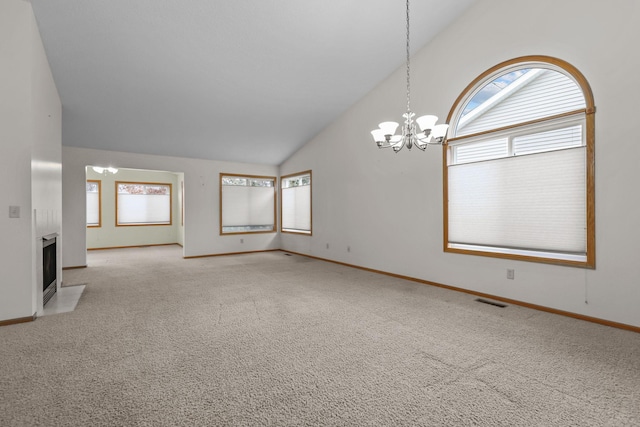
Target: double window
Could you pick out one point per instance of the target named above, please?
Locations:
(139, 203)
(296, 203)
(519, 179)
(247, 204)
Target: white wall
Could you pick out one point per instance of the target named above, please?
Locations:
(388, 207)
(108, 235)
(201, 193)
(30, 115)
(15, 162)
(46, 163)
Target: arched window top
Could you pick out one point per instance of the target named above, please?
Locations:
(520, 91)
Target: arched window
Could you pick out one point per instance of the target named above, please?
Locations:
(519, 165)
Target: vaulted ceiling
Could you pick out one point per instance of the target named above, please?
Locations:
(235, 80)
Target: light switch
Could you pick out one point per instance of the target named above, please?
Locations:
(14, 211)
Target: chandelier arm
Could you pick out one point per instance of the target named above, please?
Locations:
(423, 136)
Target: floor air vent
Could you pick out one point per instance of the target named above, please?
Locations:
(486, 301)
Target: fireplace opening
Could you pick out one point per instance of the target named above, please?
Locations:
(49, 269)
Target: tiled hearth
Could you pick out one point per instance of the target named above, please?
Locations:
(64, 301)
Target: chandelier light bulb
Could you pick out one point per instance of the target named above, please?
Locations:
(439, 132)
(426, 123)
(389, 128)
(100, 169)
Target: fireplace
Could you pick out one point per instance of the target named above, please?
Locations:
(49, 268)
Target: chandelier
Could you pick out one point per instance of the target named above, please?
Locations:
(430, 133)
(102, 170)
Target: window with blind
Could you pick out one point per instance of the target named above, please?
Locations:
(247, 204)
(519, 177)
(143, 203)
(295, 202)
(94, 203)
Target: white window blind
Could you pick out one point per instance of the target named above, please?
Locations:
(556, 139)
(93, 204)
(478, 151)
(535, 202)
(296, 208)
(248, 204)
(247, 207)
(296, 204)
(143, 204)
(559, 134)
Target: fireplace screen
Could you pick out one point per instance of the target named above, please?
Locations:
(49, 268)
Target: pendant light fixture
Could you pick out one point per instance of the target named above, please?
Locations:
(99, 169)
(430, 133)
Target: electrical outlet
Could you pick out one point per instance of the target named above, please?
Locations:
(14, 211)
(241, 240)
(327, 246)
(511, 274)
(348, 248)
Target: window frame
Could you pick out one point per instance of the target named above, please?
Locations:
(282, 179)
(275, 197)
(166, 184)
(99, 182)
(588, 115)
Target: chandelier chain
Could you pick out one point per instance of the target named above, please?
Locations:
(408, 64)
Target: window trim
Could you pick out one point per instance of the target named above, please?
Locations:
(589, 116)
(275, 197)
(168, 184)
(99, 182)
(289, 231)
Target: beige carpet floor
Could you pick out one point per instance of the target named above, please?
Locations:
(274, 340)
